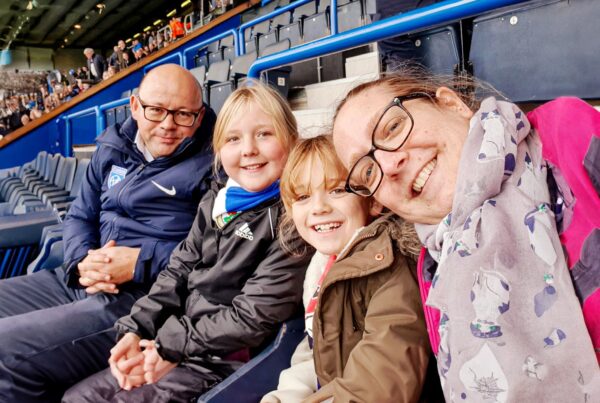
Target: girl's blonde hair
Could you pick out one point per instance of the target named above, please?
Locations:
(271, 103)
(300, 161)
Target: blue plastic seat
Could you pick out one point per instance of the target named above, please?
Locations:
(261, 374)
(539, 50)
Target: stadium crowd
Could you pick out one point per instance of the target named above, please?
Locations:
(28, 95)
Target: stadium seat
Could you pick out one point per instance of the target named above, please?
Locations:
(19, 239)
(61, 202)
(199, 73)
(305, 10)
(111, 118)
(261, 28)
(281, 20)
(265, 40)
(217, 73)
(280, 77)
(539, 50)
(350, 16)
(50, 255)
(291, 32)
(315, 27)
(438, 49)
(261, 374)
(120, 114)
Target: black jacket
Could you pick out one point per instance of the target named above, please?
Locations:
(224, 289)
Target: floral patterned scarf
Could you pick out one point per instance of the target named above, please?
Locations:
(511, 326)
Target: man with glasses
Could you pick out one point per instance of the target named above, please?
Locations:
(137, 202)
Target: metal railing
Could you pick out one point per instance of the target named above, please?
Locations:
(421, 18)
(414, 20)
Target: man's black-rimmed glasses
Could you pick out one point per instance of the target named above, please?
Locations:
(158, 114)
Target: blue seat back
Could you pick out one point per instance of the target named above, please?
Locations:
(261, 374)
(539, 50)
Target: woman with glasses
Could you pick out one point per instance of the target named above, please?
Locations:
(502, 313)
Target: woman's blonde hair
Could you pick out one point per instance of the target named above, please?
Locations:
(300, 161)
(269, 101)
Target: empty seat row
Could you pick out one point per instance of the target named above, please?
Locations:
(221, 78)
(50, 183)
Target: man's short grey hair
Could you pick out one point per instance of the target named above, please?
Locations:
(88, 51)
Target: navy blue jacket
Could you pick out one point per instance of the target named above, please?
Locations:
(138, 204)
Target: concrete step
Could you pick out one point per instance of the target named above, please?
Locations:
(360, 65)
(314, 122)
(329, 93)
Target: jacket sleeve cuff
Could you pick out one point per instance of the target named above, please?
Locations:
(141, 272)
(71, 272)
(172, 338)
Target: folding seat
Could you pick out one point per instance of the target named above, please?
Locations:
(539, 50)
(291, 32)
(315, 27)
(217, 73)
(349, 16)
(281, 20)
(127, 111)
(241, 66)
(61, 203)
(265, 40)
(62, 181)
(261, 28)
(438, 49)
(199, 73)
(250, 45)
(259, 375)
(228, 48)
(19, 239)
(50, 253)
(305, 10)
(111, 118)
(279, 78)
(214, 53)
(120, 114)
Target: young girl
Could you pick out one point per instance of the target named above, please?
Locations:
(367, 328)
(228, 285)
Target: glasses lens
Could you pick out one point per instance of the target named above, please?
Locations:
(393, 129)
(155, 113)
(184, 118)
(365, 176)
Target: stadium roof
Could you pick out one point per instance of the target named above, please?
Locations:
(83, 23)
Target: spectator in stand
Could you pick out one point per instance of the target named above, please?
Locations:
(122, 52)
(36, 113)
(125, 61)
(113, 60)
(95, 63)
(177, 30)
(160, 42)
(25, 119)
(14, 120)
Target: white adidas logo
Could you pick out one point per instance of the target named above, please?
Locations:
(245, 232)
